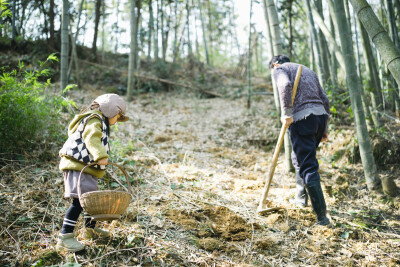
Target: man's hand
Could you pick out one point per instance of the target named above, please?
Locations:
(102, 161)
(286, 121)
(324, 137)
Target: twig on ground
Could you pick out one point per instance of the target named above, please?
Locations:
(185, 200)
(8, 227)
(114, 251)
(16, 243)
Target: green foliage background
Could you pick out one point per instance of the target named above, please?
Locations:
(29, 111)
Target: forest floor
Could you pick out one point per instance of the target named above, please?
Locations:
(198, 166)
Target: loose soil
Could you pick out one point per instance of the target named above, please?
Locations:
(198, 168)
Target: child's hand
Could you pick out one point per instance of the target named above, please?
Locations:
(103, 161)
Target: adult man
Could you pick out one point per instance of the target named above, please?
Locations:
(307, 122)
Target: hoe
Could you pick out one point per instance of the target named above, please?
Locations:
(261, 206)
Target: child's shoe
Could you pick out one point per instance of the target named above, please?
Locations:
(95, 233)
(68, 243)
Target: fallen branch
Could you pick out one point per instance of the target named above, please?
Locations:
(140, 76)
(211, 93)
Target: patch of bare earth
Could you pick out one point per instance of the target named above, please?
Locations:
(198, 167)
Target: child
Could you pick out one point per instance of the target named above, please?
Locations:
(88, 136)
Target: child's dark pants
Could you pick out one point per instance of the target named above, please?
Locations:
(305, 136)
(71, 217)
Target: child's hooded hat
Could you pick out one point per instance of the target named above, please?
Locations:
(111, 105)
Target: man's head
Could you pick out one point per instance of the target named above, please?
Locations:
(277, 60)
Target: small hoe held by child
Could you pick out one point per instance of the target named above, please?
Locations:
(88, 142)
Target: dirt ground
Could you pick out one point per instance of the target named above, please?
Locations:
(197, 167)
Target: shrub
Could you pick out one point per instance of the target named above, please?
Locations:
(29, 113)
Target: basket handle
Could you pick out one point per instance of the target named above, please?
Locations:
(128, 182)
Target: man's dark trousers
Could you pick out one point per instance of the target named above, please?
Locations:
(305, 135)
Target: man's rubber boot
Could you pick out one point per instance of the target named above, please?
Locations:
(301, 198)
(69, 243)
(95, 233)
(318, 202)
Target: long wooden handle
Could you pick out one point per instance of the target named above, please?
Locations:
(279, 143)
(296, 83)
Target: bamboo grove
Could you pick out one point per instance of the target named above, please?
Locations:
(351, 44)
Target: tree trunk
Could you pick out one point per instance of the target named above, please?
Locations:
(235, 29)
(156, 31)
(165, 36)
(74, 57)
(277, 44)
(397, 5)
(210, 30)
(96, 28)
(21, 29)
(290, 8)
(189, 44)
(312, 57)
(132, 63)
(374, 86)
(271, 50)
(180, 39)
(316, 46)
(176, 27)
(151, 26)
(117, 31)
(378, 35)
(347, 12)
(353, 83)
(161, 15)
(395, 38)
(64, 46)
(45, 30)
(333, 60)
(84, 24)
(249, 59)
(103, 37)
(323, 45)
(331, 37)
(13, 19)
(365, 102)
(392, 23)
(335, 23)
(274, 25)
(203, 28)
(74, 60)
(197, 34)
(137, 31)
(364, 99)
(51, 22)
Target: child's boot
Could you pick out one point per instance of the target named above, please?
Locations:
(95, 233)
(69, 243)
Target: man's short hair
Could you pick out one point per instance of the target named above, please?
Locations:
(279, 59)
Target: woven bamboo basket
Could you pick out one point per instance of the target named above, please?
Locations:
(105, 205)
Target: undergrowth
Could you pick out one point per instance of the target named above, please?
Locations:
(29, 111)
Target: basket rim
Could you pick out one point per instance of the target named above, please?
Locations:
(105, 192)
